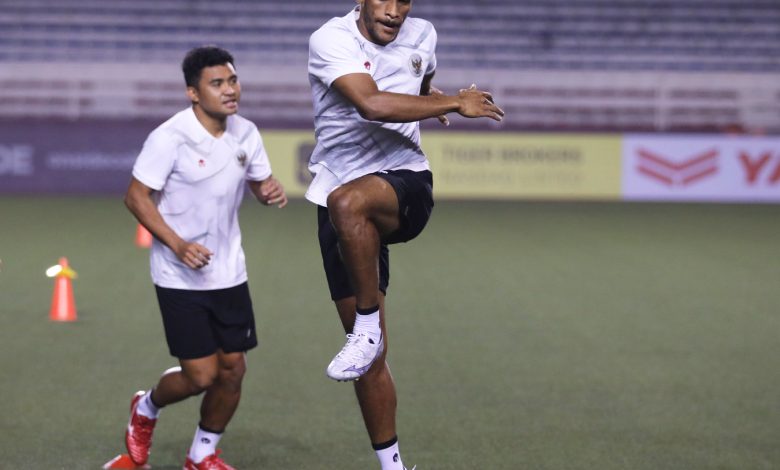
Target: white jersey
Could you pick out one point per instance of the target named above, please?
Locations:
(349, 146)
(201, 183)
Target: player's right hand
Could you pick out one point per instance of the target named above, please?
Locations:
(476, 103)
(193, 254)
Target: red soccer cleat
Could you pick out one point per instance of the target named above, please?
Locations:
(212, 462)
(138, 437)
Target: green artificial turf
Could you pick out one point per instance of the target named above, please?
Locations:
(522, 336)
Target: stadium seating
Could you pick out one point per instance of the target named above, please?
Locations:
(697, 35)
(513, 44)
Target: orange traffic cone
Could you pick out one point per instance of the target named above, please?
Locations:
(143, 237)
(122, 461)
(63, 305)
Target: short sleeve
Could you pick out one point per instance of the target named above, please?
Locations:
(155, 162)
(432, 62)
(259, 165)
(334, 53)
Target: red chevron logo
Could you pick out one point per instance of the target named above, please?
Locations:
(674, 173)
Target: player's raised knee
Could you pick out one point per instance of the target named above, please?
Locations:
(344, 203)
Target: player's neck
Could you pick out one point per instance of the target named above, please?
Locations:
(214, 124)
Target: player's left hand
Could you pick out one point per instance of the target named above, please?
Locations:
(442, 118)
(271, 192)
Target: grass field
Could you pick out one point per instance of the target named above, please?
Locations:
(523, 336)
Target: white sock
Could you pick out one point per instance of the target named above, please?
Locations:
(203, 444)
(390, 457)
(368, 324)
(146, 407)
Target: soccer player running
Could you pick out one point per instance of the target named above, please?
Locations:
(188, 183)
(370, 73)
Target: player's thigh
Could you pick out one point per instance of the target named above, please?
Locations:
(187, 324)
(414, 192)
(233, 319)
(368, 196)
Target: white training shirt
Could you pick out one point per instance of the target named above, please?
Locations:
(349, 146)
(201, 183)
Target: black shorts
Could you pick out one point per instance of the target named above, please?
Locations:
(415, 203)
(197, 323)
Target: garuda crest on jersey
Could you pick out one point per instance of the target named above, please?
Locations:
(241, 157)
(415, 65)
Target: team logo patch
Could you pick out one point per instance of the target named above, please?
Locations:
(367, 65)
(241, 157)
(415, 65)
(201, 163)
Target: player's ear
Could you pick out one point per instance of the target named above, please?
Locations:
(192, 94)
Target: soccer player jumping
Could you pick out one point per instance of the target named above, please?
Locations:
(370, 73)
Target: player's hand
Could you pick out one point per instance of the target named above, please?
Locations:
(442, 118)
(193, 254)
(272, 192)
(476, 103)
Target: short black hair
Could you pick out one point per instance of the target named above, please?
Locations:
(201, 57)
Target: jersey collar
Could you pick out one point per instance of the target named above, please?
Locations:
(196, 131)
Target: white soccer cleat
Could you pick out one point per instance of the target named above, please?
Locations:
(355, 357)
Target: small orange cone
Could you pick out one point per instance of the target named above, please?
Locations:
(143, 237)
(122, 461)
(63, 305)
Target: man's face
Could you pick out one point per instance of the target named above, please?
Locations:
(218, 90)
(380, 20)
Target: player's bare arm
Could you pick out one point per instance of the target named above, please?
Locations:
(375, 105)
(139, 200)
(269, 192)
